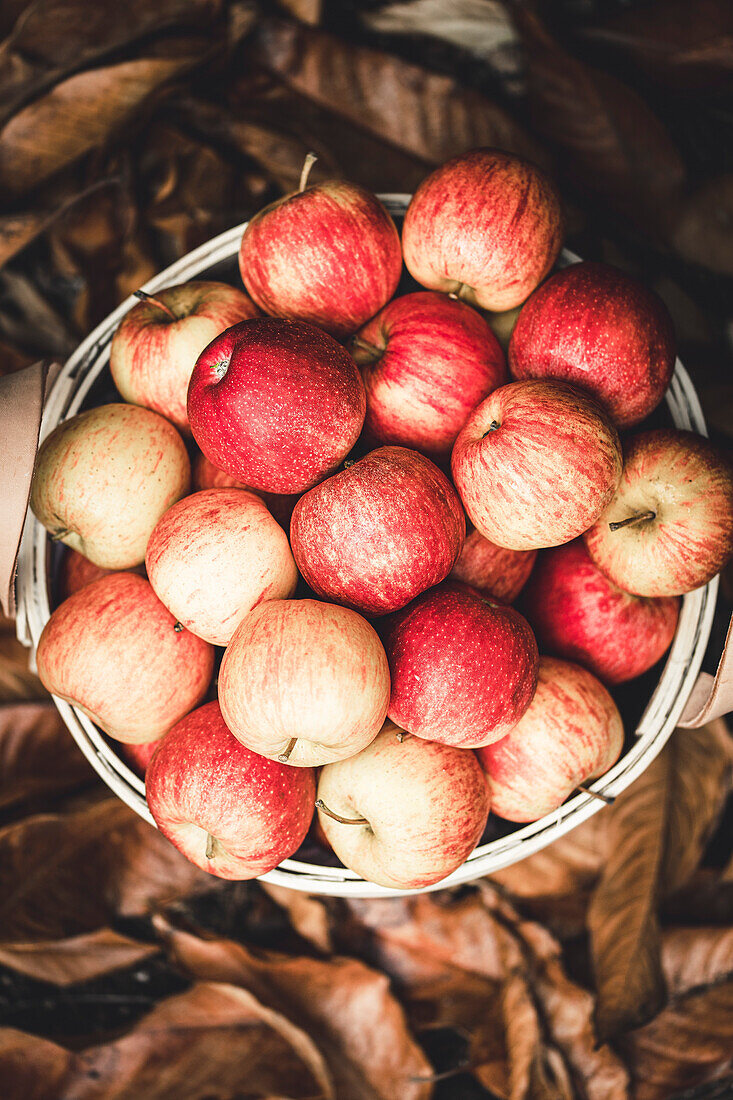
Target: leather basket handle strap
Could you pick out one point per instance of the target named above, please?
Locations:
(712, 696)
(21, 405)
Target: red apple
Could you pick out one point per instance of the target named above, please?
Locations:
(669, 528)
(113, 650)
(214, 556)
(103, 479)
(157, 343)
(328, 254)
(75, 572)
(230, 811)
(419, 809)
(137, 757)
(571, 733)
(205, 475)
(596, 327)
(495, 571)
(536, 464)
(426, 361)
(463, 668)
(578, 614)
(304, 682)
(379, 533)
(276, 404)
(486, 226)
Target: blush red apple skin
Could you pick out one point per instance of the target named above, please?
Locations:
(571, 733)
(329, 255)
(492, 570)
(686, 484)
(486, 226)
(426, 806)
(152, 354)
(432, 360)
(205, 475)
(463, 669)
(306, 670)
(137, 757)
(536, 464)
(112, 650)
(202, 782)
(214, 556)
(276, 404)
(580, 615)
(103, 479)
(379, 533)
(594, 326)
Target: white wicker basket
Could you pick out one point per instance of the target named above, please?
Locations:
(215, 259)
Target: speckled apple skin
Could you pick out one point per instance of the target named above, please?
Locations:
(463, 669)
(105, 477)
(579, 614)
(545, 473)
(433, 360)
(214, 556)
(276, 404)
(305, 669)
(426, 806)
(152, 356)
(329, 255)
(486, 225)
(205, 475)
(493, 570)
(112, 650)
(596, 327)
(202, 780)
(571, 733)
(688, 484)
(379, 533)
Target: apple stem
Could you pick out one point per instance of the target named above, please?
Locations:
(155, 301)
(210, 842)
(456, 294)
(285, 756)
(321, 805)
(402, 735)
(640, 517)
(373, 352)
(58, 536)
(178, 627)
(491, 428)
(609, 799)
(308, 163)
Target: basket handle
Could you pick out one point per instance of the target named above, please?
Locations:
(21, 405)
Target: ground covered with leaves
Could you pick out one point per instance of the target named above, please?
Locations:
(597, 969)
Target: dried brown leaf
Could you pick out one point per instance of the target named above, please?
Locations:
(307, 11)
(694, 957)
(31, 1068)
(657, 830)
(38, 756)
(703, 231)
(308, 915)
(61, 875)
(17, 682)
(345, 1007)
(78, 959)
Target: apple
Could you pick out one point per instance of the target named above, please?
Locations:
(214, 556)
(486, 226)
(304, 682)
(157, 343)
(669, 527)
(276, 404)
(75, 572)
(578, 613)
(328, 254)
(463, 668)
(137, 757)
(103, 479)
(205, 475)
(535, 464)
(379, 533)
(115, 652)
(426, 361)
(411, 811)
(594, 326)
(571, 733)
(231, 812)
(493, 570)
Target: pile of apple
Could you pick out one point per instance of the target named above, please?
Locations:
(373, 666)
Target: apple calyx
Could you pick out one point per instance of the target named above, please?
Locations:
(321, 805)
(609, 799)
(308, 163)
(633, 521)
(491, 428)
(178, 627)
(285, 756)
(141, 294)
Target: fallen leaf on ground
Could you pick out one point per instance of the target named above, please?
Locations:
(31, 1068)
(38, 756)
(78, 959)
(694, 957)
